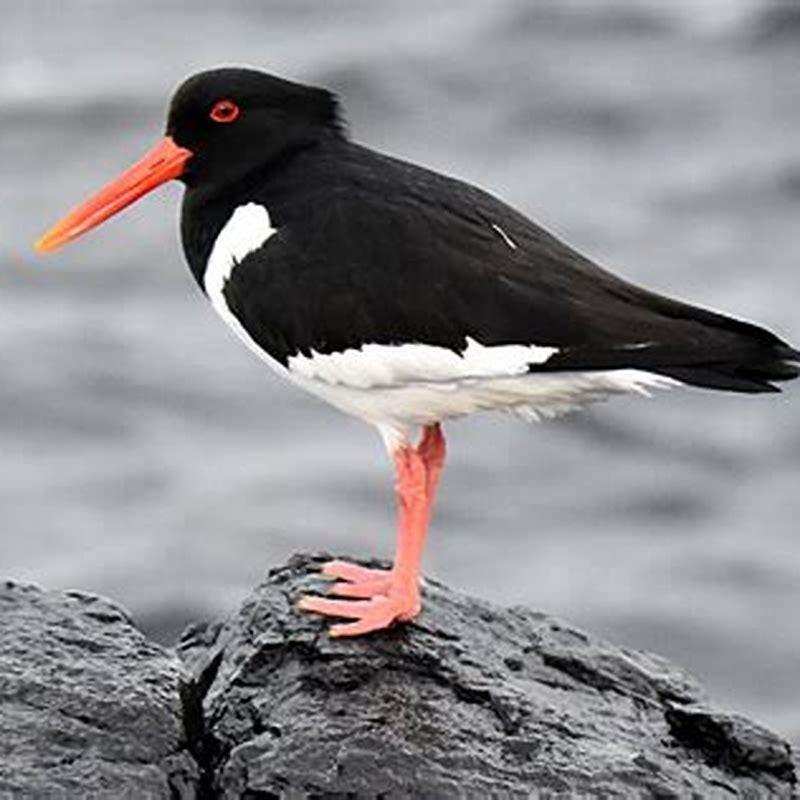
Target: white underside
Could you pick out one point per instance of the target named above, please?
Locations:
(399, 387)
(396, 411)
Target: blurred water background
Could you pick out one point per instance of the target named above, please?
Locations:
(146, 455)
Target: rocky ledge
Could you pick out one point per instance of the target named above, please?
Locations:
(471, 700)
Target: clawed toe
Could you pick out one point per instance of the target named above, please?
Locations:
(347, 609)
(357, 581)
(366, 590)
(376, 613)
(353, 573)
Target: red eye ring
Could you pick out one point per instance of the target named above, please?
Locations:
(224, 111)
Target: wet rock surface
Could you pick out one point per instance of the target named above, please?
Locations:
(88, 706)
(470, 700)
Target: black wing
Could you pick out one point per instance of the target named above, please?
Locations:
(404, 255)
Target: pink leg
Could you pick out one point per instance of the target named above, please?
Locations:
(361, 582)
(394, 594)
(432, 449)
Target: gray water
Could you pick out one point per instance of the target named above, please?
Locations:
(146, 455)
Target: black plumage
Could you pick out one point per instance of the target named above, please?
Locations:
(371, 249)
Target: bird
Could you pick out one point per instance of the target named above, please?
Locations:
(404, 297)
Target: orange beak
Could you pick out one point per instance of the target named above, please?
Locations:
(164, 162)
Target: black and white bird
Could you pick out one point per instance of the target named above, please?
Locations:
(404, 297)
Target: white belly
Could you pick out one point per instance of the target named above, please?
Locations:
(534, 396)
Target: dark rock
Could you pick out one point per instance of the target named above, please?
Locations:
(470, 700)
(88, 706)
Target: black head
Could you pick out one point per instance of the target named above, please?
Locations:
(236, 120)
(222, 125)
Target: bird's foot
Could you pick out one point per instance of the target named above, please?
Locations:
(357, 581)
(400, 602)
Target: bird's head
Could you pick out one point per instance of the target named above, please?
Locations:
(222, 125)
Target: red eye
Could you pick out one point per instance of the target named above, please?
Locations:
(224, 111)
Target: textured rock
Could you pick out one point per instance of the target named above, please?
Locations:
(471, 700)
(88, 706)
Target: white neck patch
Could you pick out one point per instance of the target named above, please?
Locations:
(247, 230)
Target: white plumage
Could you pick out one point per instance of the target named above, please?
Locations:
(386, 366)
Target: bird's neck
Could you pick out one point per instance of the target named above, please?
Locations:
(283, 188)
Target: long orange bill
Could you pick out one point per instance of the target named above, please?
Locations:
(165, 161)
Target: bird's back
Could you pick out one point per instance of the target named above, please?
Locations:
(371, 249)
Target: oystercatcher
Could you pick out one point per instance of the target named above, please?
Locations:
(404, 297)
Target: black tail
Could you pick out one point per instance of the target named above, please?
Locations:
(756, 369)
(735, 356)
(688, 343)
